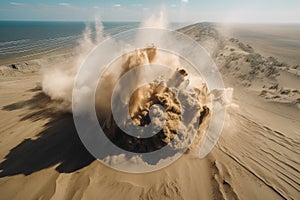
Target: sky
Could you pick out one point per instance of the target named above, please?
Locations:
(254, 11)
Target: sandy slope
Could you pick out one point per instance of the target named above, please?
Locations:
(257, 156)
(42, 144)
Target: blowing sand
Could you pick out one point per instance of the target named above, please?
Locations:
(257, 156)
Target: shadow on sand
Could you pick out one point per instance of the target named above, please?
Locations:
(58, 144)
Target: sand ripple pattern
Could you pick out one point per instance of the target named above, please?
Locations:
(270, 155)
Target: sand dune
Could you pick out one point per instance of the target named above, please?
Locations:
(279, 40)
(257, 156)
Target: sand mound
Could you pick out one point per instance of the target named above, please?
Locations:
(241, 65)
(19, 68)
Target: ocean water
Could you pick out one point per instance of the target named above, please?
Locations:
(24, 40)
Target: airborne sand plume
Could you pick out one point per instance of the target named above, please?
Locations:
(184, 97)
(180, 102)
(58, 80)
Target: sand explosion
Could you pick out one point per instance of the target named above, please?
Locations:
(138, 109)
(173, 107)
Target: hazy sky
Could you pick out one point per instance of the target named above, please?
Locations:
(133, 10)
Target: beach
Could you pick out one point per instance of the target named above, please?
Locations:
(256, 157)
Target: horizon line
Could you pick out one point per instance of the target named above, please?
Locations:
(134, 21)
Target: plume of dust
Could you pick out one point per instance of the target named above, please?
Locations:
(58, 80)
(140, 57)
(156, 21)
(164, 91)
(143, 97)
